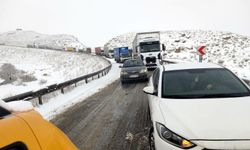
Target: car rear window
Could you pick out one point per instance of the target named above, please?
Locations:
(202, 83)
(133, 63)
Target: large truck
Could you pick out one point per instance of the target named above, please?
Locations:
(98, 50)
(108, 52)
(88, 50)
(147, 46)
(121, 54)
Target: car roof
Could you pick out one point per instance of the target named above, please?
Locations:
(133, 60)
(191, 65)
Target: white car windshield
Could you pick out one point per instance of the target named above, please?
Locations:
(202, 83)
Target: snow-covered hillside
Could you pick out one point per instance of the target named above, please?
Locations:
(25, 69)
(225, 48)
(121, 41)
(32, 39)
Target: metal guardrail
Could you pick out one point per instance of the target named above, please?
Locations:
(246, 81)
(51, 88)
(175, 62)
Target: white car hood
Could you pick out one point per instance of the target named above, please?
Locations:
(204, 119)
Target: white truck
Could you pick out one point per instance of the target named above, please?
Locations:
(147, 46)
(108, 52)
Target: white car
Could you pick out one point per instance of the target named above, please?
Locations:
(198, 106)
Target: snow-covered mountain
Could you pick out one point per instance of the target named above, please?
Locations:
(121, 41)
(33, 39)
(225, 48)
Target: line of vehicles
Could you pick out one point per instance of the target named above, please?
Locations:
(146, 46)
(146, 53)
(196, 106)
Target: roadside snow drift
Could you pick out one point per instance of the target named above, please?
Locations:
(27, 69)
(17, 106)
(62, 102)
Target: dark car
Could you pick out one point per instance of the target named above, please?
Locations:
(133, 69)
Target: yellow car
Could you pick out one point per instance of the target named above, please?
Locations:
(27, 130)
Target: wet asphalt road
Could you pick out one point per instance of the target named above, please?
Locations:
(114, 119)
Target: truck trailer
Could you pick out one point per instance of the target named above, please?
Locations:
(108, 52)
(121, 54)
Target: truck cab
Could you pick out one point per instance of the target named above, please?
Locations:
(147, 46)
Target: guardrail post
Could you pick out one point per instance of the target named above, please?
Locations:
(102, 73)
(75, 85)
(40, 100)
(98, 75)
(86, 80)
(62, 90)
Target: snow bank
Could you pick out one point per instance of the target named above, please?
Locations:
(34, 69)
(62, 102)
(20, 106)
(17, 106)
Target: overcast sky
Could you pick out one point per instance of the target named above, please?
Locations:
(94, 22)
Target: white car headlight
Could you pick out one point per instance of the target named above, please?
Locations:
(144, 70)
(173, 138)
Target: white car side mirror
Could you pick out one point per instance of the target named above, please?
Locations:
(149, 90)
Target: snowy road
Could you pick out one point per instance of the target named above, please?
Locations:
(115, 118)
